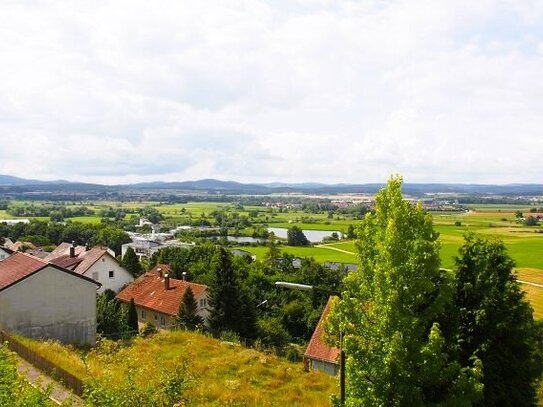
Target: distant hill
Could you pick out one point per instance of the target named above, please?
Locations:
(233, 187)
(9, 180)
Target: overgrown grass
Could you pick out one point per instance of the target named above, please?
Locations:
(223, 374)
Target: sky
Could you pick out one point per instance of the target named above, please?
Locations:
(272, 91)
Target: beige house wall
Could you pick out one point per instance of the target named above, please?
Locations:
(165, 321)
(51, 304)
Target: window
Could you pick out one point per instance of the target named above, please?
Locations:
(162, 321)
(111, 274)
(156, 317)
(95, 276)
(203, 303)
(142, 314)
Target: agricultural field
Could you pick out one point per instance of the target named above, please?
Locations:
(222, 373)
(524, 243)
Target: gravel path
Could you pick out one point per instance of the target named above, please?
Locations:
(37, 378)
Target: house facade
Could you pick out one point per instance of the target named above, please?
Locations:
(44, 301)
(157, 297)
(96, 263)
(319, 355)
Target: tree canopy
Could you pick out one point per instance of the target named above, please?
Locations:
(495, 323)
(231, 306)
(187, 315)
(396, 352)
(131, 262)
(296, 237)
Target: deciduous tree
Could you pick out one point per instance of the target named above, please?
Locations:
(296, 237)
(396, 353)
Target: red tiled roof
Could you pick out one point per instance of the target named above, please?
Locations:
(83, 260)
(19, 265)
(317, 349)
(148, 291)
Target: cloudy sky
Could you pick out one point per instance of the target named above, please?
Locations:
(283, 90)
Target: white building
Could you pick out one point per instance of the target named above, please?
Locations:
(146, 245)
(97, 263)
(41, 300)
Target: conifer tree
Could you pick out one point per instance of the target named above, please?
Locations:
(496, 323)
(231, 306)
(131, 263)
(187, 316)
(132, 317)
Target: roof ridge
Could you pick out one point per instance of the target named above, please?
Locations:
(33, 257)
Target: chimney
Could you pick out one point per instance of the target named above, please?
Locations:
(166, 282)
(184, 275)
(87, 246)
(159, 271)
(72, 249)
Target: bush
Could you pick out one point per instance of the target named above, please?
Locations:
(294, 353)
(230, 336)
(271, 332)
(148, 329)
(13, 390)
(125, 390)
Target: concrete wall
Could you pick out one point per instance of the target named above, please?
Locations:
(102, 267)
(51, 304)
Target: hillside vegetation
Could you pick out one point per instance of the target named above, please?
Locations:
(214, 373)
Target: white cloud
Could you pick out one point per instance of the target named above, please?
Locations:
(334, 91)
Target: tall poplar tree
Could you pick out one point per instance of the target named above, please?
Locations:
(396, 353)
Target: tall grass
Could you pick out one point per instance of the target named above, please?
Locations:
(222, 374)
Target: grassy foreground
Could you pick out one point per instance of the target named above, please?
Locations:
(223, 374)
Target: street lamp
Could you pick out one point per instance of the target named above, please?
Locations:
(305, 287)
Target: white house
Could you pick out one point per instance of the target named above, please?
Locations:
(41, 300)
(96, 263)
(146, 245)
